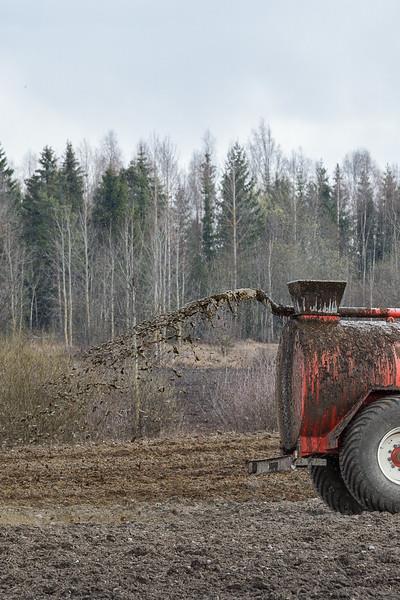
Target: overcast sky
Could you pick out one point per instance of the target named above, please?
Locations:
(323, 73)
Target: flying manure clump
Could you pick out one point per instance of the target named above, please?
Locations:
(130, 345)
(117, 371)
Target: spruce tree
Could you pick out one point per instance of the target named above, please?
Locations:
(41, 198)
(240, 220)
(326, 206)
(9, 188)
(365, 224)
(71, 181)
(139, 181)
(110, 202)
(8, 185)
(209, 203)
(387, 213)
(300, 203)
(340, 197)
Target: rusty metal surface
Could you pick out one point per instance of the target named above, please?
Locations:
(310, 296)
(369, 313)
(351, 312)
(326, 368)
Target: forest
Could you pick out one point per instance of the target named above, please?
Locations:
(89, 246)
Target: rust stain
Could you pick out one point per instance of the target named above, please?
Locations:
(334, 383)
(328, 366)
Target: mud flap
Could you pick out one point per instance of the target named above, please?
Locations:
(283, 463)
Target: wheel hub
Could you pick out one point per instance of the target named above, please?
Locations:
(389, 455)
(395, 457)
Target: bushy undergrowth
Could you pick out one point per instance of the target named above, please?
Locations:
(243, 399)
(28, 411)
(38, 406)
(115, 414)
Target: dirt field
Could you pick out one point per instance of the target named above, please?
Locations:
(180, 518)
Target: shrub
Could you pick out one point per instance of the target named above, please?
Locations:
(243, 399)
(42, 399)
(115, 414)
(28, 411)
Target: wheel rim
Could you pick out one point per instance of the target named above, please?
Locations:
(389, 455)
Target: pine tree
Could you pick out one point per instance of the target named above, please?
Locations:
(240, 220)
(209, 203)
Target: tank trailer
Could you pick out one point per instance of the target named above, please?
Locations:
(338, 398)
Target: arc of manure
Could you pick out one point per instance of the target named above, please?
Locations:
(119, 348)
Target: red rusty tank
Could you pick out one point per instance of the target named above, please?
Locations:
(337, 384)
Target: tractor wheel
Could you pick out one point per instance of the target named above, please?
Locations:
(370, 456)
(329, 484)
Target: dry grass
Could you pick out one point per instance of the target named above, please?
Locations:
(28, 412)
(235, 355)
(34, 409)
(243, 399)
(111, 414)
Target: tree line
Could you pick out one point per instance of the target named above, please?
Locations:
(89, 246)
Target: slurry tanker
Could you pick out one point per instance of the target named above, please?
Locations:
(338, 398)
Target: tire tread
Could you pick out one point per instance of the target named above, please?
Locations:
(331, 487)
(350, 469)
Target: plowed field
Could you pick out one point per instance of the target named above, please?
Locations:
(180, 518)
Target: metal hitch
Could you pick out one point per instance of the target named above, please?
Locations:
(283, 463)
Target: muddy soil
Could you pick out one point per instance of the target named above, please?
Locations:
(180, 518)
(196, 467)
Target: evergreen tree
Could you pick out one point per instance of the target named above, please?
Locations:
(326, 206)
(8, 185)
(38, 211)
(365, 224)
(209, 202)
(41, 198)
(278, 210)
(110, 201)
(71, 181)
(301, 185)
(340, 197)
(11, 248)
(10, 194)
(240, 220)
(301, 216)
(387, 214)
(197, 278)
(182, 223)
(139, 181)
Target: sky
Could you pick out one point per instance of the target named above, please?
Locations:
(324, 74)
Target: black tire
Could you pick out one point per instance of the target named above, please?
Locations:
(359, 462)
(330, 486)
